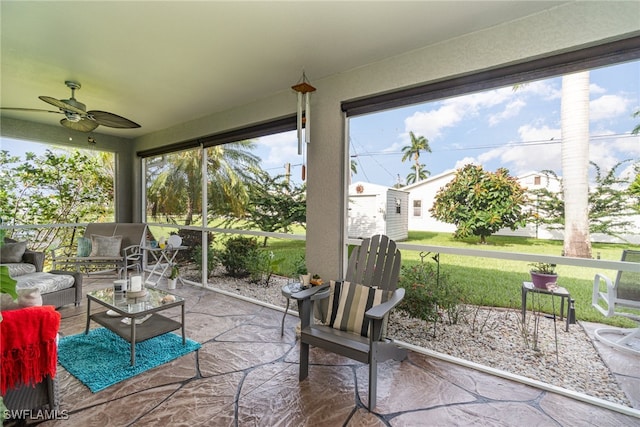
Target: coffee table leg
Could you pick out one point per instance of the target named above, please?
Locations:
(184, 337)
(86, 330)
(133, 341)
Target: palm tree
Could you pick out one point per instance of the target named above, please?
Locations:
(176, 188)
(575, 163)
(418, 144)
(419, 173)
(231, 169)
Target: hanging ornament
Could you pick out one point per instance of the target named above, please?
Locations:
(304, 89)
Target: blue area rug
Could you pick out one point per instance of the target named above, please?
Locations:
(101, 358)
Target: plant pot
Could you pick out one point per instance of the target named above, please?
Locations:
(543, 280)
(171, 283)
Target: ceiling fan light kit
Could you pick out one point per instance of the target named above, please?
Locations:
(76, 115)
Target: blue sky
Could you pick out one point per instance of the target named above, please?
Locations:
(519, 130)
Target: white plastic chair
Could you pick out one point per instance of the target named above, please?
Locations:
(623, 293)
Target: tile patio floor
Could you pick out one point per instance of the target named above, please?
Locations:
(246, 374)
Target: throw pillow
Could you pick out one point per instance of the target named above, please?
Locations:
(105, 246)
(84, 246)
(347, 304)
(29, 297)
(8, 303)
(12, 252)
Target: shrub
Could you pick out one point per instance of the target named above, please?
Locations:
(212, 259)
(239, 255)
(263, 267)
(429, 294)
(419, 300)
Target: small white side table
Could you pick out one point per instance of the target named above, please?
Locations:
(164, 258)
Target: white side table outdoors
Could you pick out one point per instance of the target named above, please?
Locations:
(164, 259)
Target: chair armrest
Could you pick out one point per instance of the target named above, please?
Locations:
(381, 310)
(35, 258)
(308, 293)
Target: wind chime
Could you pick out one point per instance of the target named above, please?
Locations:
(304, 89)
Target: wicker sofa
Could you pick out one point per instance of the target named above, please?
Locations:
(57, 287)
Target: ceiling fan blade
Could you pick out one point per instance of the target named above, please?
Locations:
(84, 125)
(111, 120)
(35, 110)
(62, 105)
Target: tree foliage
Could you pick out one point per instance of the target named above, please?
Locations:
(480, 203)
(611, 202)
(176, 181)
(56, 188)
(275, 204)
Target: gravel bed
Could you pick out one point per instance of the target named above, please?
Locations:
(492, 337)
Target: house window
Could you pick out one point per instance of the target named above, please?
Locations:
(398, 205)
(536, 180)
(417, 208)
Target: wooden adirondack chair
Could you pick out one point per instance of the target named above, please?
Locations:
(624, 292)
(372, 275)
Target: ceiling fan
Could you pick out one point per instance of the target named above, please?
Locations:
(76, 115)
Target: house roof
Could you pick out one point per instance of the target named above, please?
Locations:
(164, 63)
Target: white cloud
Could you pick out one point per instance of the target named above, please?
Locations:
(542, 89)
(466, 161)
(276, 150)
(430, 124)
(607, 107)
(510, 110)
(530, 133)
(595, 89)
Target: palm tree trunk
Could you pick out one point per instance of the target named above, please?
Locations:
(575, 163)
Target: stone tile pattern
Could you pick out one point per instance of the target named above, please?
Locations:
(246, 374)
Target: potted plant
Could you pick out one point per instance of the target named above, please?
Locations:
(173, 277)
(543, 274)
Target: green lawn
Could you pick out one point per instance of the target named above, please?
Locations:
(487, 281)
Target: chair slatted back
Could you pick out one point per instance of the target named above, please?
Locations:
(628, 282)
(375, 263)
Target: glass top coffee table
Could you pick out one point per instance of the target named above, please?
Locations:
(135, 319)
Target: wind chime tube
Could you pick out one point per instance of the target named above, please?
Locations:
(299, 123)
(307, 117)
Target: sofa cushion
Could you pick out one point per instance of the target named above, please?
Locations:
(12, 252)
(105, 246)
(45, 282)
(20, 269)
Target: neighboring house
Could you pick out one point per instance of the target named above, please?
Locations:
(376, 209)
(422, 195)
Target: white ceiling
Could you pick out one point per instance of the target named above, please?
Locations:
(164, 63)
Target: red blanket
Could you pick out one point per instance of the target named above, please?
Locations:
(28, 349)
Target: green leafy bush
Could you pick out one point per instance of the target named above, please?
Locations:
(429, 294)
(239, 255)
(212, 259)
(263, 267)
